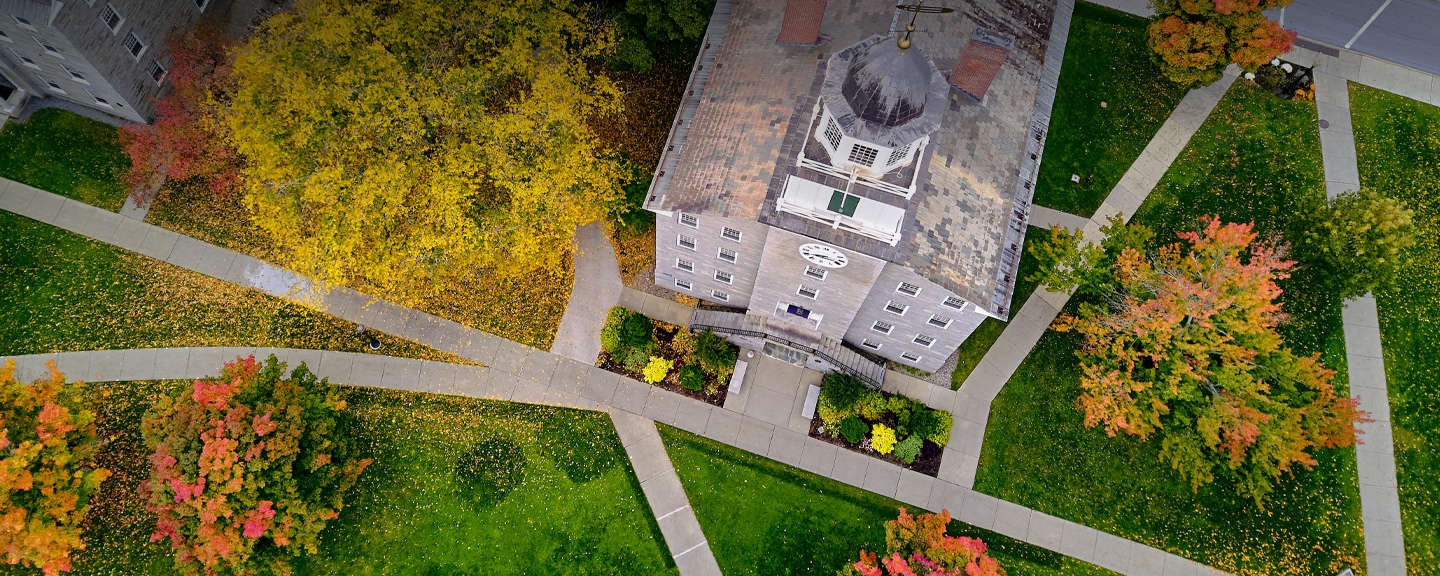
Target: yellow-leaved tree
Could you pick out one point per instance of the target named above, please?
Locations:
(396, 145)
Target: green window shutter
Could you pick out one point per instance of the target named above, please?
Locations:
(850, 203)
(836, 199)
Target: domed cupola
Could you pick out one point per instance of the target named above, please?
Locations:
(878, 106)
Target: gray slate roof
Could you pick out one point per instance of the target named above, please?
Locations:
(757, 102)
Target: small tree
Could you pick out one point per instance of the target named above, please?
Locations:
(1357, 238)
(47, 472)
(1187, 347)
(716, 356)
(918, 546)
(249, 468)
(1069, 263)
(1194, 40)
(645, 25)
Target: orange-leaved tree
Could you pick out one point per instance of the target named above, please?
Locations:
(918, 546)
(1186, 346)
(1195, 39)
(47, 472)
(247, 469)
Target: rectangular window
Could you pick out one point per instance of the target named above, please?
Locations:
(201, 4)
(51, 84)
(51, 50)
(718, 295)
(23, 23)
(908, 289)
(939, 321)
(924, 340)
(730, 234)
(910, 356)
(870, 345)
(808, 292)
(955, 303)
(682, 284)
(728, 255)
(111, 19)
(74, 75)
(686, 242)
(723, 276)
(98, 100)
(689, 220)
(797, 311)
(832, 134)
(6, 37)
(24, 59)
(157, 72)
(882, 327)
(898, 155)
(863, 155)
(816, 272)
(134, 46)
(842, 203)
(894, 307)
(684, 264)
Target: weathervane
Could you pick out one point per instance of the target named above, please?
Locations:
(917, 10)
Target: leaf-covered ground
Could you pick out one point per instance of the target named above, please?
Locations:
(413, 511)
(68, 154)
(1106, 62)
(62, 292)
(1253, 158)
(526, 310)
(1397, 141)
(763, 517)
(974, 348)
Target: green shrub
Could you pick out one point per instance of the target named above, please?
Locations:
(610, 338)
(716, 356)
(840, 391)
(909, 448)
(692, 377)
(637, 332)
(490, 470)
(932, 425)
(582, 444)
(853, 429)
(872, 405)
(830, 416)
(882, 438)
(636, 359)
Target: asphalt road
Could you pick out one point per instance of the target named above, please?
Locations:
(1405, 32)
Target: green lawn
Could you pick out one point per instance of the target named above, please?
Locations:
(1106, 62)
(1253, 158)
(1397, 141)
(61, 292)
(409, 513)
(985, 335)
(763, 517)
(68, 154)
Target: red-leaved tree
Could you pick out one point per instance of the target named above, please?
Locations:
(248, 468)
(186, 140)
(47, 472)
(1195, 39)
(918, 546)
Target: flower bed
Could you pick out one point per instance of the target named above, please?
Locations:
(666, 355)
(890, 427)
(1285, 79)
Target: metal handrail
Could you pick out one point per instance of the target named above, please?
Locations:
(802, 347)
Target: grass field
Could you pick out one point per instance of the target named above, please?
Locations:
(763, 517)
(62, 292)
(1397, 142)
(1254, 157)
(1110, 102)
(409, 513)
(985, 335)
(68, 154)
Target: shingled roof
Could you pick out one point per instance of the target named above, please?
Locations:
(752, 110)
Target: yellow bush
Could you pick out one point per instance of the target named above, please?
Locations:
(882, 438)
(658, 367)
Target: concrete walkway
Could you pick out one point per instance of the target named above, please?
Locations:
(971, 403)
(1379, 492)
(595, 291)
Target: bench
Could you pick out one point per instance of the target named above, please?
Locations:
(812, 397)
(737, 377)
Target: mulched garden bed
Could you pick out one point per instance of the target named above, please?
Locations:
(664, 336)
(928, 463)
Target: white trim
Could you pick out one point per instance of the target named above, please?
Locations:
(903, 308)
(47, 48)
(823, 272)
(732, 258)
(690, 220)
(949, 302)
(202, 5)
(808, 292)
(74, 75)
(721, 296)
(728, 277)
(941, 325)
(98, 100)
(918, 337)
(6, 37)
(119, 21)
(164, 73)
(901, 289)
(888, 327)
(682, 239)
(725, 233)
(24, 60)
(22, 22)
(910, 357)
(871, 345)
(51, 84)
(683, 264)
(128, 50)
(682, 284)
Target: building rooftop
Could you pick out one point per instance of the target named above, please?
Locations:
(755, 105)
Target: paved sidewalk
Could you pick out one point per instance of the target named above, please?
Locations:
(971, 403)
(595, 291)
(666, 495)
(1379, 492)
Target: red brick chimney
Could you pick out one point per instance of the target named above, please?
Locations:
(801, 26)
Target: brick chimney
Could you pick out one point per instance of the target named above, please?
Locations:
(980, 62)
(801, 26)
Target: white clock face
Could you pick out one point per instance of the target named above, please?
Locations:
(823, 255)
